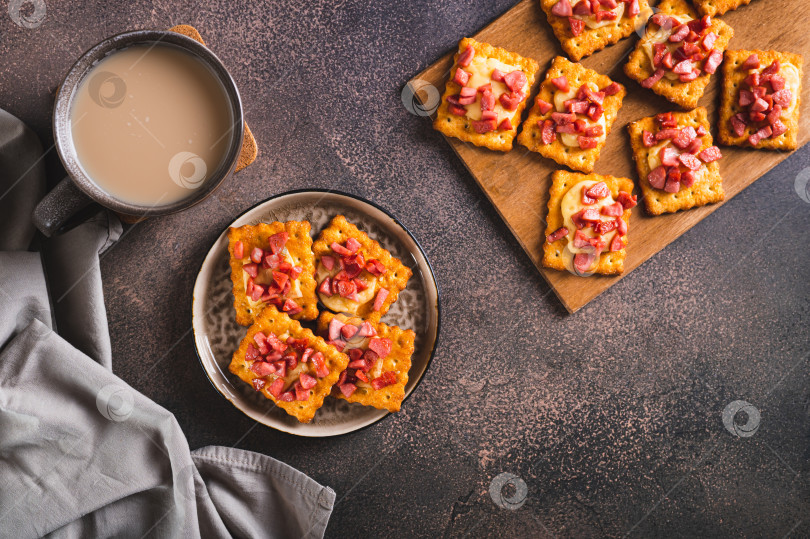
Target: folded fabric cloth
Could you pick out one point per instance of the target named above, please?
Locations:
(82, 453)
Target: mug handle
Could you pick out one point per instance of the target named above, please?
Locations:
(59, 205)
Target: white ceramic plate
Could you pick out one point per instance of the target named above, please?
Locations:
(217, 335)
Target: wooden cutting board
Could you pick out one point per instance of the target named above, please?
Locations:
(517, 183)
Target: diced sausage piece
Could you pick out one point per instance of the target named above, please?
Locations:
(756, 116)
(276, 387)
(328, 262)
(660, 51)
(648, 139)
(509, 101)
(673, 183)
(469, 100)
(621, 226)
(262, 368)
(386, 379)
(456, 110)
(612, 89)
(783, 98)
(583, 262)
(690, 161)
(708, 41)
(763, 133)
(649, 82)
(256, 255)
(563, 118)
(626, 200)
(505, 125)
(382, 293)
(590, 214)
(760, 105)
(600, 16)
(577, 26)
(291, 307)
(694, 147)
(778, 128)
(595, 112)
(543, 106)
(603, 227)
(777, 82)
(617, 244)
(713, 61)
(598, 190)
(586, 143)
(561, 83)
(485, 88)
(689, 77)
(688, 178)
(613, 210)
(348, 331)
(669, 156)
(558, 234)
(682, 68)
(468, 92)
(569, 129)
(381, 346)
(745, 98)
(278, 241)
(666, 120)
(562, 9)
(239, 250)
(658, 177)
(488, 115)
(775, 114)
(685, 137)
(335, 327)
(497, 75)
(461, 77)
(772, 69)
(484, 126)
(347, 389)
(251, 269)
(661, 19)
(547, 135)
(679, 34)
(594, 131)
(466, 57)
(712, 153)
(515, 80)
(633, 8)
(752, 62)
(307, 381)
(581, 240)
(594, 97)
(339, 249)
(587, 200)
(738, 124)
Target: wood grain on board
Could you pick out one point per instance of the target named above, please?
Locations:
(517, 182)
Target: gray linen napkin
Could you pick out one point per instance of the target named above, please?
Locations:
(81, 453)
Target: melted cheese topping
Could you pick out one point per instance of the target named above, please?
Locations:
(654, 157)
(265, 277)
(481, 69)
(662, 36)
(572, 203)
(337, 302)
(590, 20)
(571, 139)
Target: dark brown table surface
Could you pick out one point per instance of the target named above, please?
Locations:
(612, 418)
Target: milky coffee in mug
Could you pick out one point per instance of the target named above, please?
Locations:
(150, 124)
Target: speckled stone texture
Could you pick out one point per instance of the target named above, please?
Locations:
(611, 419)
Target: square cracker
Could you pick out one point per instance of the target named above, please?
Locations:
(718, 7)
(684, 94)
(399, 361)
(610, 262)
(460, 127)
(706, 190)
(733, 78)
(395, 279)
(272, 321)
(577, 75)
(593, 39)
(299, 245)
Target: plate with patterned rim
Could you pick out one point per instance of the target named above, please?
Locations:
(217, 335)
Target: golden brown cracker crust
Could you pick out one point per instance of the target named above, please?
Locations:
(732, 80)
(399, 360)
(272, 321)
(299, 245)
(718, 7)
(395, 279)
(461, 127)
(707, 190)
(592, 39)
(575, 158)
(610, 262)
(684, 94)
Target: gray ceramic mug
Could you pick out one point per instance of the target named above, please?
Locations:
(77, 191)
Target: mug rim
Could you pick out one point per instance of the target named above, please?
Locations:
(63, 139)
